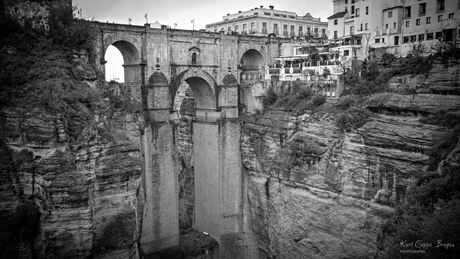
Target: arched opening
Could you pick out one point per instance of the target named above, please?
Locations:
(114, 67)
(204, 95)
(252, 83)
(194, 95)
(197, 134)
(122, 62)
(252, 59)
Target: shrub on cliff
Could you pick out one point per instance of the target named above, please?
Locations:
(318, 100)
(387, 59)
(300, 101)
(363, 87)
(353, 118)
(270, 97)
(345, 102)
(446, 50)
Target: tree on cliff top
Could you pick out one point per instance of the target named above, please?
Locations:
(37, 69)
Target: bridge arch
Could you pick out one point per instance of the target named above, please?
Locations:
(203, 85)
(252, 59)
(252, 79)
(130, 49)
(129, 46)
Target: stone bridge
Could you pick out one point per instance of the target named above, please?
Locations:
(157, 62)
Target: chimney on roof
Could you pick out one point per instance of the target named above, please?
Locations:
(261, 6)
(239, 11)
(228, 14)
(256, 8)
(271, 7)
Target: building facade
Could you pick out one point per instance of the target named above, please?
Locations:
(358, 25)
(263, 21)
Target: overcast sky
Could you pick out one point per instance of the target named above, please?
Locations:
(182, 12)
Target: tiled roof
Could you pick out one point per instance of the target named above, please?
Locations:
(337, 15)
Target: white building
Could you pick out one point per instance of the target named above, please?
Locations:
(358, 25)
(264, 21)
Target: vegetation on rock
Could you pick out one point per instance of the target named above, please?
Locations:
(36, 66)
(297, 101)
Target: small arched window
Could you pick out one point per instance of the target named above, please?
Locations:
(193, 58)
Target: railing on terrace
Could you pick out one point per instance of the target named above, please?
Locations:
(275, 69)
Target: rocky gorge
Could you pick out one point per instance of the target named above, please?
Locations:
(71, 181)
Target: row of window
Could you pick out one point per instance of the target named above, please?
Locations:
(275, 29)
(428, 20)
(355, 12)
(421, 37)
(414, 38)
(406, 39)
(440, 7)
(417, 23)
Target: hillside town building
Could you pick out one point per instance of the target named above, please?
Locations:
(359, 25)
(263, 21)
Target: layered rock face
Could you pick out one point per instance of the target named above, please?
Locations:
(317, 192)
(86, 189)
(81, 178)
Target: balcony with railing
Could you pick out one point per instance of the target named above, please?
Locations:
(307, 70)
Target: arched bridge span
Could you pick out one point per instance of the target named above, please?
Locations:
(157, 62)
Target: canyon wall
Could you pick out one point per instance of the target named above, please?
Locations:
(69, 186)
(318, 192)
(72, 189)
